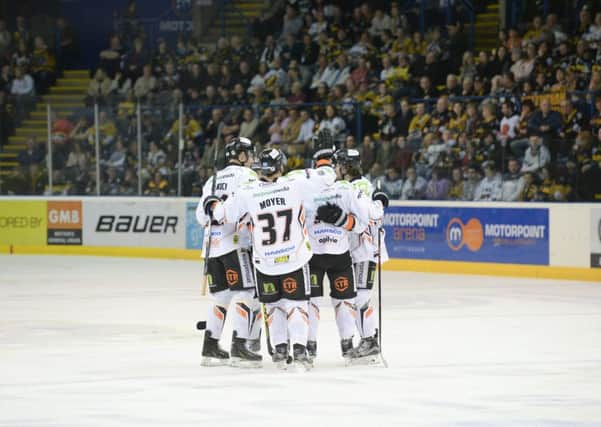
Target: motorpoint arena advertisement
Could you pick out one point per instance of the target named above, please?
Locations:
(500, 235)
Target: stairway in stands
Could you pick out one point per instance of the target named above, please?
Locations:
(487, 28)
(65, 97)
(238, 14)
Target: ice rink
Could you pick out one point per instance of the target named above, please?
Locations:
(91, 341)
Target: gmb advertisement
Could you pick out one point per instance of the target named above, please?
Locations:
(500, 235)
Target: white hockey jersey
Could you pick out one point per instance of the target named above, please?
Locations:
(320, 187)
(227, 237)
(277, 216)
(364, 246)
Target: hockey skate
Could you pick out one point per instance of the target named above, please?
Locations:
(312, 350)
(367, 353)
(212, 354)
(348, 351)
(301, 359)
(280, 356)
(241, 356)
(254, 345)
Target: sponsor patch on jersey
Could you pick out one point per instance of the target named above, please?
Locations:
(314, 280)
(236, 239)
(231, 276)
(269, 288)
(341, 284)
(289, 284)
(281, 259)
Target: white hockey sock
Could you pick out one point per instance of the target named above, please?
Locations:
(276, 319)
(218, 312)
(314, 317)
(244, 318)
(366, 316)
(257, 320)
(345, 317)
(298, 321)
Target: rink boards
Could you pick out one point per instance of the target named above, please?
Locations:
(513, 239)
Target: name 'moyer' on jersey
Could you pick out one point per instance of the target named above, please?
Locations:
(225, 237)
(276, 213)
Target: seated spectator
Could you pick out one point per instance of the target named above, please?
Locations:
(456, 185)
(145, 85)
(77, 163)
(249, 124)
(110, 59)
(414, 186)
(333, 123)
(513, 182)
(307, 127)
(32, 155)
(490, 188)
(43, 66)
(23, 90)
(471, 183)
(438, 187)
(118, 156)
(545, 122)
(536, 157)
(509, 123)
(99, 89)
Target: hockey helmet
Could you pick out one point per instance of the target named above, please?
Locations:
(323, 145)
(271, 161)
(236, 146)
(349, 159)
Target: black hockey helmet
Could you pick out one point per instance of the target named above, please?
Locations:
(349, 160)
(323, 145)
(271, 161)
(237, 145)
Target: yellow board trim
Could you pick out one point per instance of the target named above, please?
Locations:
(424, 266)
(490, 269)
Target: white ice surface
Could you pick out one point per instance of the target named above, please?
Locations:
(91, 341)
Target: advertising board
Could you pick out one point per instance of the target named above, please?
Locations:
(500, 235)
(23, 222)
(134, 222)
(596, 237)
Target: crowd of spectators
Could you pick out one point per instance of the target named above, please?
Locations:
(31, 57)
(431, 118)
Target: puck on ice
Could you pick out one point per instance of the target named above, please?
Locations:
(201, 325)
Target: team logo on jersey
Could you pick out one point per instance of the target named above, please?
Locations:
(314, 280)
(231, 276)
(341, 284)
(289, 285)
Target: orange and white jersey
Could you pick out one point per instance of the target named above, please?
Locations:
(225, 238)
(364, 245)
(276, 213)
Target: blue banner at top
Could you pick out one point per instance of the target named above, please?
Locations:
(498, 235)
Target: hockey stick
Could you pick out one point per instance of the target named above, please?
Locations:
(380, 290)
(203, 289)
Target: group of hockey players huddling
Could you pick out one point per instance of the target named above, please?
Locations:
(274, 237)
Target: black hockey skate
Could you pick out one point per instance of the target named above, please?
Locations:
(280, 356)
(254, 345)
(301, 358)
(212, 354)
(312, 350)
(367, 353)
(241, 356)
(348, 351)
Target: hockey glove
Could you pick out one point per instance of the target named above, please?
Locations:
(332, 214)
(209, 204)
(382, 197)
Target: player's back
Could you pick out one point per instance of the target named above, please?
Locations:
(277, 215)
(225, 237)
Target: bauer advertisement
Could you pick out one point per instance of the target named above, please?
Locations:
(596, 238)
(134, 223)
(498, 235)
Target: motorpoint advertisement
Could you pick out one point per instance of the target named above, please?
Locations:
(23, 222)
(499, 235)
(137, 223)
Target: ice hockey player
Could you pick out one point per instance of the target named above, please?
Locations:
(364, 251)
(229, 269)
(334, 210)
(281, 251)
